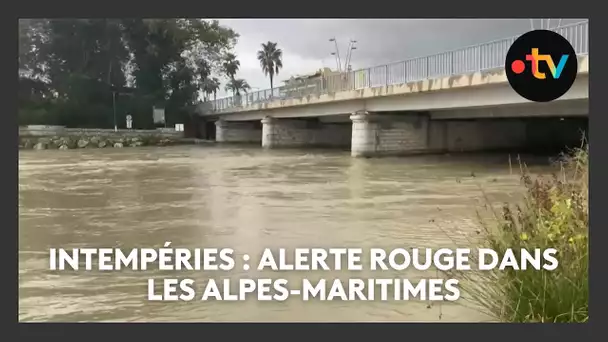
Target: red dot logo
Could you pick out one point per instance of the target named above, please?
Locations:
(518, 66)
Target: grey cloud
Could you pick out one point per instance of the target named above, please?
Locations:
(379, 40)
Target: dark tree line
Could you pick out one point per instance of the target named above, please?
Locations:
(69, 68)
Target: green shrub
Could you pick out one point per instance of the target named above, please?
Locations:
(554, 214)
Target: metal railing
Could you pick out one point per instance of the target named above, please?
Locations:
(469, 59)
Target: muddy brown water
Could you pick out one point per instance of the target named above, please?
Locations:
(247, 199)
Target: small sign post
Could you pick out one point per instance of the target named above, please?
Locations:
(129, 121)
(158, 115)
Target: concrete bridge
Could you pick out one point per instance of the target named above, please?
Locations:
(454, 101)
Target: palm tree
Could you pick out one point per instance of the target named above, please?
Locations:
(230, 65)
(270, 60)
(206, 85)
(214, 86)
(204, 68)
(210, 86)
(238, 85)
(204, 71)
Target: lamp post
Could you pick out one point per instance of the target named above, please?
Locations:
(336, 53)
(351, 47)
(114, 109)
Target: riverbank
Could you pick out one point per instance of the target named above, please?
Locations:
(59, 137)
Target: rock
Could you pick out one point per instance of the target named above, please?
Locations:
(71, 143)
(163, 142)
(64, 147)
(44, 141)
(118, 145)
(40, 146)
(101, 144)
(65, 141)
(95, 140)
(27, 144)
(82, 143)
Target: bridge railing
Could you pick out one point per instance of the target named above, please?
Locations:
(481, 57)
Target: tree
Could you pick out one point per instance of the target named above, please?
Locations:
(156, 45)
(231, 65)
(270, 58)
(85, 51)
(237, 85)
(210, 86)
(34, 93)
(80, 60)
(70, 66)
(32, 34)
(164, 45)
(214, 87)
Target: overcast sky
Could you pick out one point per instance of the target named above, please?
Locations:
(306, 46)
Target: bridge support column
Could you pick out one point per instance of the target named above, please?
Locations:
(269, 138)
(388, 134)
(238, 132)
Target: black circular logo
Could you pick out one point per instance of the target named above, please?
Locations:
(541, 65)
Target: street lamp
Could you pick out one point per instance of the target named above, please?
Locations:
(336, 53)
(351, 47)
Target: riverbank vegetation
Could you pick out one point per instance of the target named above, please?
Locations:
(553, 214)
(75, 72)
(92, 73)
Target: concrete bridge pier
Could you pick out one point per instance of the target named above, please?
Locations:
(238, 131)
(376, 134)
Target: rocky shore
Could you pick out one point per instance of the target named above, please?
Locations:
(75, 142)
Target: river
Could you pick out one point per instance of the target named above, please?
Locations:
(247, 199)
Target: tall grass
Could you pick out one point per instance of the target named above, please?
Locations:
(553, 214)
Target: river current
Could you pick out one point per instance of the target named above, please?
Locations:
(247, 199)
